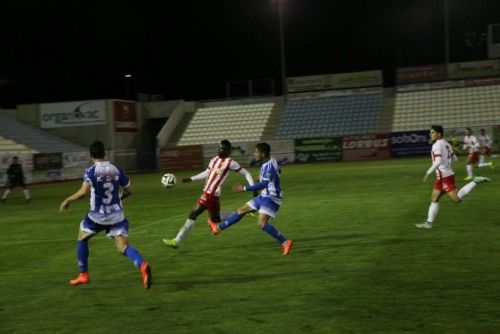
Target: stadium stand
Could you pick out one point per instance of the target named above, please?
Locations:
(330, 116)
(33, 138)
(8, 145)
(241, 123)
(452, 107)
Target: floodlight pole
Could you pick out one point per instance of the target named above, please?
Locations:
(282, 48)
(446, 32)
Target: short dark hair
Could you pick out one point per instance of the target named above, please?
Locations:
(264, 148)
(467, 128)
(97, 150)
(438, 129)
(227, 144)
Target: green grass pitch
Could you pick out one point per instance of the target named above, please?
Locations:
(358, 265)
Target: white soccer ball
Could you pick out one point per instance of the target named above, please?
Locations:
(168, 180)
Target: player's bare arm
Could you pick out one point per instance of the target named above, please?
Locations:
(77, 195)
(238, 188)
(126, 192)
(426, 176)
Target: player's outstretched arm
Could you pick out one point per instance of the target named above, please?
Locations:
(247, 175)
(77, 195)
(238, 188)
(426, 176)
(202, 176)
(126, 192)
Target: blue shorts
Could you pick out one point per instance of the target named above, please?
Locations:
(264, 205)
(89, 226)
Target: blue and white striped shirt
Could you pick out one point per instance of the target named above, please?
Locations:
(270, 172)
(105, 203)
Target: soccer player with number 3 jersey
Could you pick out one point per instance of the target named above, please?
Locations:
(103, 180)
(442, 159)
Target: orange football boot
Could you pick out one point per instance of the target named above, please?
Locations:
(287, 246)
(214, 227)
(82, 278)
(147, 279)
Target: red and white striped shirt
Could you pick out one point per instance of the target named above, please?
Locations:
(471, 143)
(442, 158)
(217, 172)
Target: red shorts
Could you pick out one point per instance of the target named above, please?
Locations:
(473, 157)
(446, 184)
(487, 151)
(209, 201)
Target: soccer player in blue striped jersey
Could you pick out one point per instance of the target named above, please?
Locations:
(103, 180)
(267, 204)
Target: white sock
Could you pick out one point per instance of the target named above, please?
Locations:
(188, 226)
(466, 189)
(470, 170)
(433, 211)
(6, 194)
(481, 159)
(484, 164)
(26, 193)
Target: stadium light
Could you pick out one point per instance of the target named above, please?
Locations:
(128, 77)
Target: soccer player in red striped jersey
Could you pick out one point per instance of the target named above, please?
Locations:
(442, 158)
(473, 145)
(485, 151)
(267, 204)
(214, 176)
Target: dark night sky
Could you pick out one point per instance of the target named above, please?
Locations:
(75, 50)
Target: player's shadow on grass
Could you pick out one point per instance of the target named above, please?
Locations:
(191, 283)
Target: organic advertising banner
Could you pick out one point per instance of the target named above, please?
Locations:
(67, 114)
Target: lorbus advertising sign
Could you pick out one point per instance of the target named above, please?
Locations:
(366, 147)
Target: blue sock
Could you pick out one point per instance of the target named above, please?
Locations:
(82, 254)
(274, 232)
(134, 256)
(232, 219)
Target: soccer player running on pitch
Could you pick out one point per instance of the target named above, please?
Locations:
(215, 175)
(104, 180)
(268, 203)
(485, 142)
(472, 144)
(442, 158)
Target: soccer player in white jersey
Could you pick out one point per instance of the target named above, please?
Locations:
(442, 158)
(215, 175)
(103, 180)
(485, 151)
(473, 146)
(269, 201)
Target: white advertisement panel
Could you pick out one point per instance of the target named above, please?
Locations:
(68, 114)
